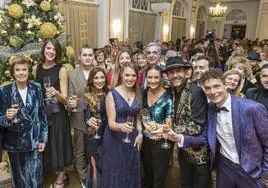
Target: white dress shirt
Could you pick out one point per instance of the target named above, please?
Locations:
(225, 133)
(23, 94)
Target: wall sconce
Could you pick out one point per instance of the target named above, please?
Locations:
(165, 32)
(192, 31)
(116, 28)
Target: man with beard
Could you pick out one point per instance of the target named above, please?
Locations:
(190, 116)
(77, 86)
(260, 94)
(201, 65)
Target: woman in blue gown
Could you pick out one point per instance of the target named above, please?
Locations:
(158, 103)
(121, 161)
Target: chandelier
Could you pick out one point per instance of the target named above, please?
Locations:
(218, 11)
(160, 6)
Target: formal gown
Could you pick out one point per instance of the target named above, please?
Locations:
(58, 152)
(121, 161)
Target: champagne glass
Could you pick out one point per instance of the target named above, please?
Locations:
(15, 105)
(166, 129)
(98, 118)
(74, 98)
(47, 85)
(130, 122)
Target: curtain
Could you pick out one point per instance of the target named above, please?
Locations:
(81, 21)
(178, 28)
(141, 26)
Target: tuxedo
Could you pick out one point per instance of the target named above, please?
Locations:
(250, 131)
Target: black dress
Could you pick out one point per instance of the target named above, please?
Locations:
(58, 152)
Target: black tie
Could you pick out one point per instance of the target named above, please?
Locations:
(218, 109)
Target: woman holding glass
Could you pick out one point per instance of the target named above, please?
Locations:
(123, 135)
(23, 119)
(96, 120)
(54, 81)
(156, 118)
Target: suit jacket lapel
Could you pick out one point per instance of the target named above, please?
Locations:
(236, 124)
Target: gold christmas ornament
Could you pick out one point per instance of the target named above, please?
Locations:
(56, 17)
(40, 40)
(29, 33)
(68, 67)
(69, 51)
(15, 11)
(45, 6)
(15, 41)
(3, 32)
(48, 30)
(17, 25)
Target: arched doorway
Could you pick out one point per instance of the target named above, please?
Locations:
(236, 24)
(201, 22)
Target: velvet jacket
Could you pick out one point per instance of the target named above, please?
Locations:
(250, 126)
(32, 128)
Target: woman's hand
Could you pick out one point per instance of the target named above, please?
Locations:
(10, 113)
(93, 122)
(157, 133)
(138, 141)
(51, 92)
(124, 127)
(72, 103)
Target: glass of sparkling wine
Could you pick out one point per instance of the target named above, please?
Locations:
(74, 98)
(130, 122)
(146, 119)
(166, 129)
(47, 85)
(15, 105)
(98, 118)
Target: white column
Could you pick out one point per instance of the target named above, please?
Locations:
(103, 22)
(117, 19)
(158, 27)
(262, 26)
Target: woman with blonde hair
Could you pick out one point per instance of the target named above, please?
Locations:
(233, 81)
(122, 57)
(123, 135)
(241, 65)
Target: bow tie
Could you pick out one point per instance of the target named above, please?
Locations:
(219, 109)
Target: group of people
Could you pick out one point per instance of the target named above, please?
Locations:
(128, 107)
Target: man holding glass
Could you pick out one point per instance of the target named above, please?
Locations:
(76, 89)
(23, 118)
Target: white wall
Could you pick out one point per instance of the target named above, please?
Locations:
(250, 8)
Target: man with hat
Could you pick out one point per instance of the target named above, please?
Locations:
(190, 116)
(254, 60)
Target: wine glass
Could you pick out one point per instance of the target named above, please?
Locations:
(166, 129)
(130, 122)
(74, 98)
(97, 116)
(47, 85)
(15, 105)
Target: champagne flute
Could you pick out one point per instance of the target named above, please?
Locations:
(15, 105)
(74, 98)
(98, 118)
(166, 129)
(47, 85)
(130, 122)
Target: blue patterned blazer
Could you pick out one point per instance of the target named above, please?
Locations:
(250, 126)
(32, 128)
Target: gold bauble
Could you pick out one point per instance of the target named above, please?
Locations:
(40, 40)
(69, 51)
(48, 30)
(15, 41)
(15, 11)
(45, 6)
(56, 17)
(17, 25)
(29, 33)
(3, 32)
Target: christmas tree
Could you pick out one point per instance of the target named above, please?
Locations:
(24, 24)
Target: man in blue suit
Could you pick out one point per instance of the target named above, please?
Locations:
(23, 119)
(237, 134)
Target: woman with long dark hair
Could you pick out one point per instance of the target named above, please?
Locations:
(96, 120)
(54, 81)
